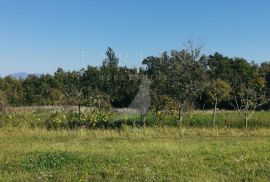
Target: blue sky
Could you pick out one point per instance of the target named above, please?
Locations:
(38, 36)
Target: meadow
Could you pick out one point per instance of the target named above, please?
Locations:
(194, 152)
(138, 154)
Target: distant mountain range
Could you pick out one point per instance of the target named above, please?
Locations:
(22, 75)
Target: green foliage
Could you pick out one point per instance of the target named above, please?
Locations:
(100, 101)
(36, 161)
(218, 90)
(3, 101)
(69, 120)
(96, 118)
(180, 76)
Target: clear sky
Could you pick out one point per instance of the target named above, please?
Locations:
(37, 36)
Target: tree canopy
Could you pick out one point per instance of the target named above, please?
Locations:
(181, 76)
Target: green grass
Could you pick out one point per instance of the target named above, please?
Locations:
(160, 152)
(146, 154)
(230, 119)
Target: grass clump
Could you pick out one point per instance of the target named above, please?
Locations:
(36, 161)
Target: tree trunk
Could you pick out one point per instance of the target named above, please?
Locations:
(144, 121)
(203, 107)
(246, 120)
(79, 108)
(214, 114)
(143, 117)
(180, 114)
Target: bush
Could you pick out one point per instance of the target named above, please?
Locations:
(71, 120)
(100, 101)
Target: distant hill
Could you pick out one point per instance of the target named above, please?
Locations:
(21, 75)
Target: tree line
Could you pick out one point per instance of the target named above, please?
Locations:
(180, 80)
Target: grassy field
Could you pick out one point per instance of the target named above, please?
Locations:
(146, 154)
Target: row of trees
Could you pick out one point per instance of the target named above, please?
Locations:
(180, 80)
(117, 84)
(195, 80)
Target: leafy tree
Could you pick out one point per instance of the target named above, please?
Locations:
(70, 83)
(111, 61)
(186, 78)
(31, 89)
(219, 67)
(242, 71)
(3, 101)
(13, 90)
(109, 75)
(56, 97)
(120, 83)
(217, 90)
(265, 72)
(91, 81)
(157, 70)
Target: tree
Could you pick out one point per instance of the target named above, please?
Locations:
(71, 84)
(219, 67)
(3, 101)
(13, 90)
(109, 74)
(248, 96)
(217, 90)
(56, 97)
(31, 88)
(111, 61)
(186, 78)
(157, 69)
(265, 72)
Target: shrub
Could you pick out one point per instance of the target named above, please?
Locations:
(94, 119)
(100, 101)
(57, 120)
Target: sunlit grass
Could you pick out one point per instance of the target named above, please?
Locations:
(135, 154)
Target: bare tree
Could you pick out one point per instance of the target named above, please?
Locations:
(246, 98)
